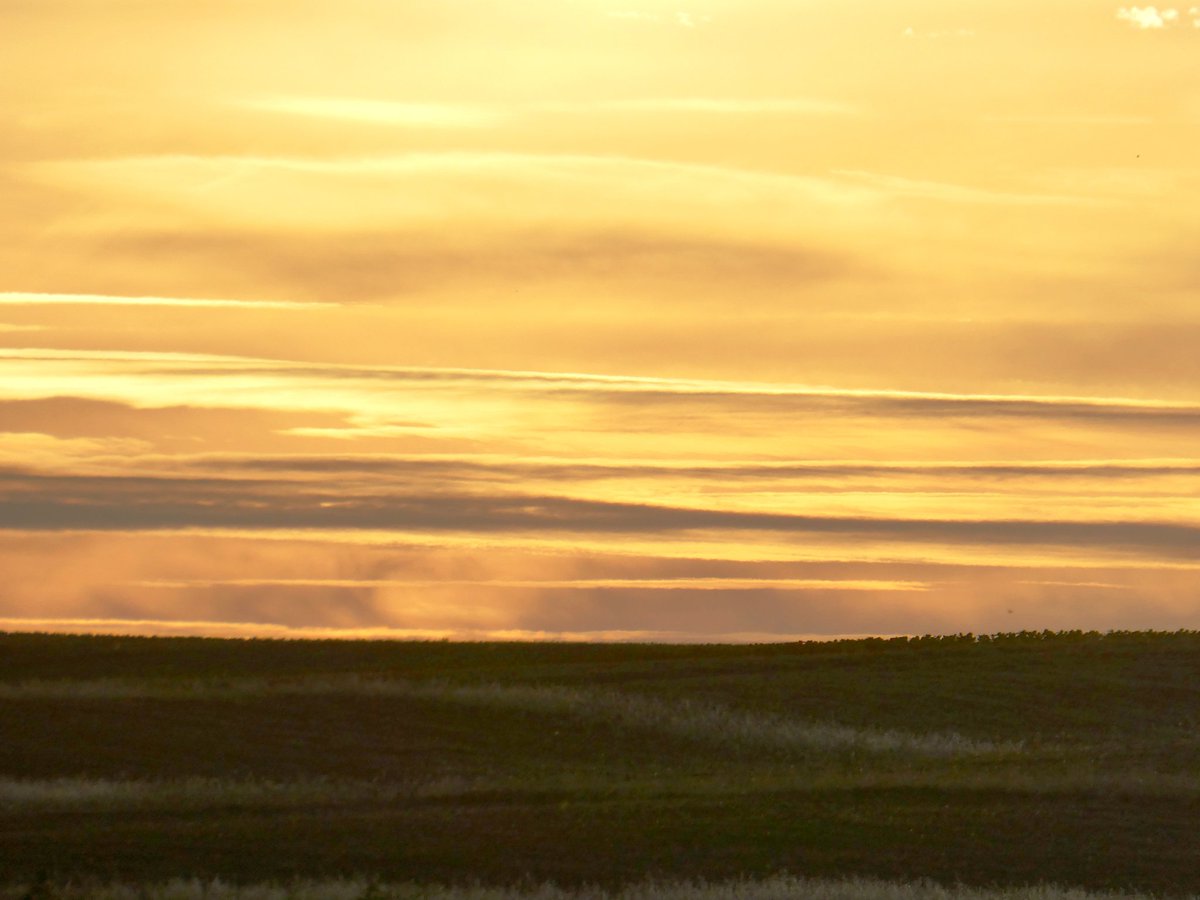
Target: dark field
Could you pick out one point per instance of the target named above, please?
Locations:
(1034, 758)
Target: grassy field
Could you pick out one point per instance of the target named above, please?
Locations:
(1016, 760)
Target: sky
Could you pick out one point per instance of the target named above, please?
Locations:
(685, 320)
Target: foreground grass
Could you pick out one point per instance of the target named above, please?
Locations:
(1025, 759)
(779, 887)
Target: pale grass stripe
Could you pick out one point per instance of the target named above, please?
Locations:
(107, 794)
(780, 887)
(714, 723)
(99, 794)
(700, 721)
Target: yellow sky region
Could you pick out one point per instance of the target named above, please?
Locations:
(678, 319)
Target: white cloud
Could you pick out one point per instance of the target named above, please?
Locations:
(1147, 17)
(387, 112)
(436, 115)
(1153, 18)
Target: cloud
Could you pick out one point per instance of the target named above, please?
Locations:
(504, 190)
(595, 584)
(389, 227)
(897, 186)
(163, 429)
(282, 585)
(390, 265)
(27, 298)
(381, 112)
(1151, 18)
(582, 614)
(451, 470)
(571, 191)
(449, 115)
(1143, 17)
(36, 449)
(66, 503)
(453, 398)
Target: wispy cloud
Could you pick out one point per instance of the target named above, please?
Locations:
(521, 469)
(452, 115)
(356, 581)
(423, 189)
(681, 18)
(958, 193)
(614, 584)
(205, 380)
(36, 422)
(25, 298)
(729, 106)
(35, 448)
(383, 112)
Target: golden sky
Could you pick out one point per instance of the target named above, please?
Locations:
(688, 320)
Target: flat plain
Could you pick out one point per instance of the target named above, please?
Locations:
(994, 762)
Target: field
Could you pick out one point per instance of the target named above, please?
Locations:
(340, 768)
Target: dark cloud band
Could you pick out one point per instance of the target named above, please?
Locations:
(33, 502)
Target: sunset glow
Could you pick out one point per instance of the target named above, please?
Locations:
(687, 320)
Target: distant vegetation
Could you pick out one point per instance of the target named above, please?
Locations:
(780, 887)
(998, 762)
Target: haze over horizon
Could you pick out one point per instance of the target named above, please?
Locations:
(603, 319)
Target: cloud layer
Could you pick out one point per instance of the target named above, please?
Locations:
(673, 320)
